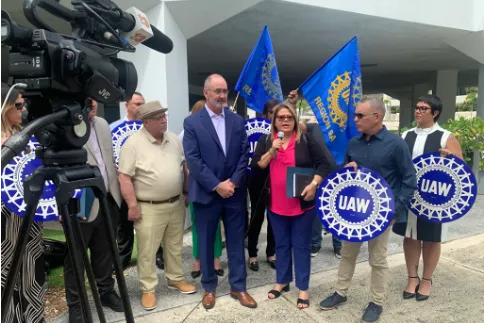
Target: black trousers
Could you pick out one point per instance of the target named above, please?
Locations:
(96, 240)
(258, 206)
(125, 236)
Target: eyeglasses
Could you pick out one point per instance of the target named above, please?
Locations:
(220, 91)
(20, 105)
(421, 108)
(360, 116)
(286, 117)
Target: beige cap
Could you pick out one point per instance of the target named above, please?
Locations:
(149, 109)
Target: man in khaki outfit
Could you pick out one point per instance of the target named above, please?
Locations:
(154, 178)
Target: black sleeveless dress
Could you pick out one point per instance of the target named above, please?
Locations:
(421, 141)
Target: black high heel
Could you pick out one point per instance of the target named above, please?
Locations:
(419, 297)
(407, 295)
(277, 293)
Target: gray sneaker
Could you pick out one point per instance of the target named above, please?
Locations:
(332, 301)
(372, 313)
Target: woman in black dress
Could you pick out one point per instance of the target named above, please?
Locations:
(424, 237)
(27, 304)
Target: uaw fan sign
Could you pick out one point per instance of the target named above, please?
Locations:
(255, 128)
(447, 188)
(121, 133)
(355, 206)
(13, 176)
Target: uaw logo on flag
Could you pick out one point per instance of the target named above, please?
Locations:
(121, 133)
(355, 206)
(447, 188)
(255, 128)
(13, 177)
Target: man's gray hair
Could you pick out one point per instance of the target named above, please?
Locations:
(376, 104)
(206, 84)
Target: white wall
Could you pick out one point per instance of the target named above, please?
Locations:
(452, 14)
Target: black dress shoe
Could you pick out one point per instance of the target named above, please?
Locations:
(160, 263)
(272, 263)
(419, 297)
(219, 272)
(408, 295)
(75, 314)
(254, 265)
(196, 273)
(112, 301)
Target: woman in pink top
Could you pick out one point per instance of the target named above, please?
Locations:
(291, 218)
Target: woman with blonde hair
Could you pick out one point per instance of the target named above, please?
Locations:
(291, 217)
(27, 304)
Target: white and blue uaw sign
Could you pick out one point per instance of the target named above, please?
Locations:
(121, 133)
(355, 206)
(13, 177)
(255, 128)
(447, 188)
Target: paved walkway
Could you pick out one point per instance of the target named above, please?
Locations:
(457, 294)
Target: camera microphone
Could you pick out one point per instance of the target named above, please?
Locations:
(137, 29)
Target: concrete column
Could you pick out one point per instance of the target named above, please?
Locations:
(406, 112)
(447, 90)
(163, 77)
(417, 91)
(480, 94)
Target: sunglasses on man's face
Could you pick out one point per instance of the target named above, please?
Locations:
(285, 117)
(360, 116)
(20, 105)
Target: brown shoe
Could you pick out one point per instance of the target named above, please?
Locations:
(244, 298)
(208, 300)
(148, 301)
(182, 287)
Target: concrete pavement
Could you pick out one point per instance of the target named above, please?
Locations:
(457, 294)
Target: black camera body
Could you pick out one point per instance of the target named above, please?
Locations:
(67, 72)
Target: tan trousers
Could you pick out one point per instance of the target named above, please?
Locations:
(159, 223)
(378, 262)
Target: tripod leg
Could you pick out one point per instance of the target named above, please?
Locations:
(128, 312)
(20, 246)
(73, 248)
(76, 229)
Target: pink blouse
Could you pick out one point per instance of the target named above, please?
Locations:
(279, 202)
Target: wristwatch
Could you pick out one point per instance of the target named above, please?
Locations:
(316, 184)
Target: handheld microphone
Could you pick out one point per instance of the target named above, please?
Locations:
(136, 29)
(280, 135)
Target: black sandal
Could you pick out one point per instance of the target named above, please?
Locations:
(419, 297)
(408, 295)
(277, 293)
(303, 302)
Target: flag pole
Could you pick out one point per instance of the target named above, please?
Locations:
(235, 102)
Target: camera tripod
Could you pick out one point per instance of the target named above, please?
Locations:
(67, 169)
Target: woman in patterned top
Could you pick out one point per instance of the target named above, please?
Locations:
(27, 304)
(421, 236)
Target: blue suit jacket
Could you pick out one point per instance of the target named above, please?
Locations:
(206, 160)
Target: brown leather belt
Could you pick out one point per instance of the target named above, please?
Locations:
(170, 200)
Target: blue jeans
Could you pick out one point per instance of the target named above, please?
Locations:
(293, 239)
(317, 235)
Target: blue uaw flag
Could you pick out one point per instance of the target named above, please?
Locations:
(259, 80)
(333, 92)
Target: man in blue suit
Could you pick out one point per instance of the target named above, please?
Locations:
(216, 151)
